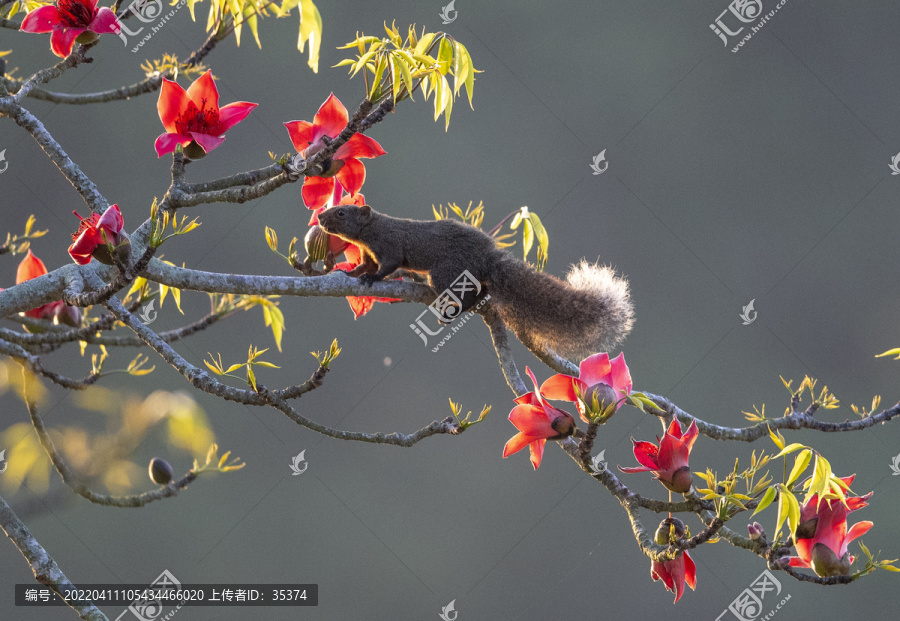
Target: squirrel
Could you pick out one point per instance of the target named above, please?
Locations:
(588, 313)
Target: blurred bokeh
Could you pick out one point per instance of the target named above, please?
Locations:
(757, 175)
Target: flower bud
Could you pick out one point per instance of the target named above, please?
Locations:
(662, 531)
(87, 37)
(755, 530)
(681, 482)
(193, 151)
(563, 425)
(316, 243)
(67, 315)
(807, 529)
(826, 563)
(605, 395)
(160, 471)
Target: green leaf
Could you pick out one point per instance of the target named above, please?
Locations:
(424, 43)
(800, 464)
(767, 499)
(444, 56)
(461, 66)
(540, 232)
(891, 352)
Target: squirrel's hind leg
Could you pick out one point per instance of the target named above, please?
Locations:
(453, 281)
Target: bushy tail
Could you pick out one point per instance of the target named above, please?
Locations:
(590, 312)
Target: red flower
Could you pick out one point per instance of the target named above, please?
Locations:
(675, 573)
(69, 20)
(32, 267)
(193, 118)
(822, 536)
(95, 233)
(669, 462)
(537, 422)
(330, 120)
(598, 375)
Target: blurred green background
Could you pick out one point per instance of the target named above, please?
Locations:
(761, 174)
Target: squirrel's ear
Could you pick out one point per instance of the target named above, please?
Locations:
(366, 210)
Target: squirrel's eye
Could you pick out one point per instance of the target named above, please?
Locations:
(340, 213)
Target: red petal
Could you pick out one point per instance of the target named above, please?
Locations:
(353, 254)
(301, 133)
(562, 387)
(316, 191)
(166, 143)
(173, 100)
(40, 20)
(232, 114)
(30, 267)
(532, 420)
(331, 118)
(314, 218)
(204, 88)
(674, 429)
(537, 452)
(796, 561)
(595, 369)
(80, 257)
(516, 444)
(337, 245)
(111, 220)
(63, 40)
(360, 305)
(105, 22)
(673, 454)
(647, 454)
(352, 175)
(637, 469)
(620, 375)
(690, 436)
(359, 145)
(537, 388)
(857, 530)
(207, 142)
(690, 571)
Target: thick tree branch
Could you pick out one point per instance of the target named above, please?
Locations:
(45, 569)
(34, 365)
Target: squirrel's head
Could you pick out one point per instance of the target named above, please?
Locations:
(345, 219)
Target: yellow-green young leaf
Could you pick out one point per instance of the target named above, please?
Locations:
(527, 237)
(224, 459)
(251, 376)
(274, 318)
(234, 367)
(449, 107)
(891, 352)
(250, 18)
(444, 56)
(272, 239)
(790, 448)
(424, 43)
(311, 32)
(460, 68)
(800, 464)
(470, 76)
(767, 499)
(235, 7)
(540, 232)
(820, 480)
(395, 79)
(407, 76)
(793, 511)
(777, 438)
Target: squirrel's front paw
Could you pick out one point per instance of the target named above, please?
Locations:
(366, 280)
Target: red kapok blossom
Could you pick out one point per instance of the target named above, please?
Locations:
(597, 375)
(669, 461)
(822, 536)
(330, 120)
(71, 20)
(675, 573)
(537, 422)
(32, 267)
(93, 235)
(193, 118)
